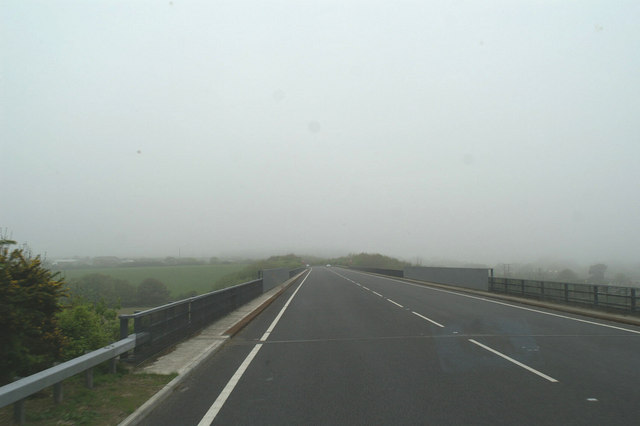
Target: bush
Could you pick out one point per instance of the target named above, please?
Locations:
(97, 288)
(152, 292)
(86, 327)
(29, 293)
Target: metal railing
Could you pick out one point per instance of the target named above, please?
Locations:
(16, 392)
(389, 272)
(601, 296)
(168, 324)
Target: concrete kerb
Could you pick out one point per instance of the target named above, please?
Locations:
(146, 408)
(607, 316)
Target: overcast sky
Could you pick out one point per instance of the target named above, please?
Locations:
(494, 131)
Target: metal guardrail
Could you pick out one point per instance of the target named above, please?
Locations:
(168, 324)
(389, 272)
(601, 296)
(17, 391)
(294, 272)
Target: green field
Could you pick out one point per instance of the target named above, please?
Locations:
(178, 279)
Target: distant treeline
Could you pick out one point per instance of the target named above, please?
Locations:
(115, 262)
(368, 260)
(252, 271)
(100, 288)
(115, 292)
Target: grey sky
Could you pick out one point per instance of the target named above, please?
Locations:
(478, 131)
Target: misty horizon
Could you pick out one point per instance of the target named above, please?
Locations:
(483, 133)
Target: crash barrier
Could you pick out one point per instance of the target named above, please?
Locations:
(273, 277)
(154, 330)
(381, 271)
(600, 296)
(294, 272)
(17, 392)
(472, 278)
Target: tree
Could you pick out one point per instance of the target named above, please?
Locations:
(30, 339)
(152, 292)
(99, 287)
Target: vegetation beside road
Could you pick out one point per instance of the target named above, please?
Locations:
(179, 279)
(47, 319)
(113, 398)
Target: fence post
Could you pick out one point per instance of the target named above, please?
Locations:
(124, 332)
(522, 287)
(595, 295)
(633, 299)
(124, 327)
(88, 375)
(566, 293)
(542, 289)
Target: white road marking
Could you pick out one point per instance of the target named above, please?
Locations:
(510, 305)
(518, 363)
(378, 294)
(231, 384)
(397, 304)
(428, 319)
(222, 398)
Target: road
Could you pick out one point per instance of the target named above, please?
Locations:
(346, 347)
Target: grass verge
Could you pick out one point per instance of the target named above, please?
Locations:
(112, 399)
(178, 279)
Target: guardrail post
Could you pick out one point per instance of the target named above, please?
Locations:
(18, 412)
(566, 293)
(88, 378)
(595, 295)
(57, 393)
(57, 390)
(522, 287)
(542, 288)
(113, 365)
(633, 299)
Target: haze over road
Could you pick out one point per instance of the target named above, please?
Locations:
(346, 347)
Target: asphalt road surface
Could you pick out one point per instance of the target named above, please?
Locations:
(346, 347)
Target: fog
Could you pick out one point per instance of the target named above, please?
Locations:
(476, 131)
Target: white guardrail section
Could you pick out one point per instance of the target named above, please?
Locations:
(22, 388)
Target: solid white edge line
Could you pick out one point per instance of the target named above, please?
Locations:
(213, 411)
(284, 308)
(518, 363)
(430, 320)
(507, 304)
(231, 384)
